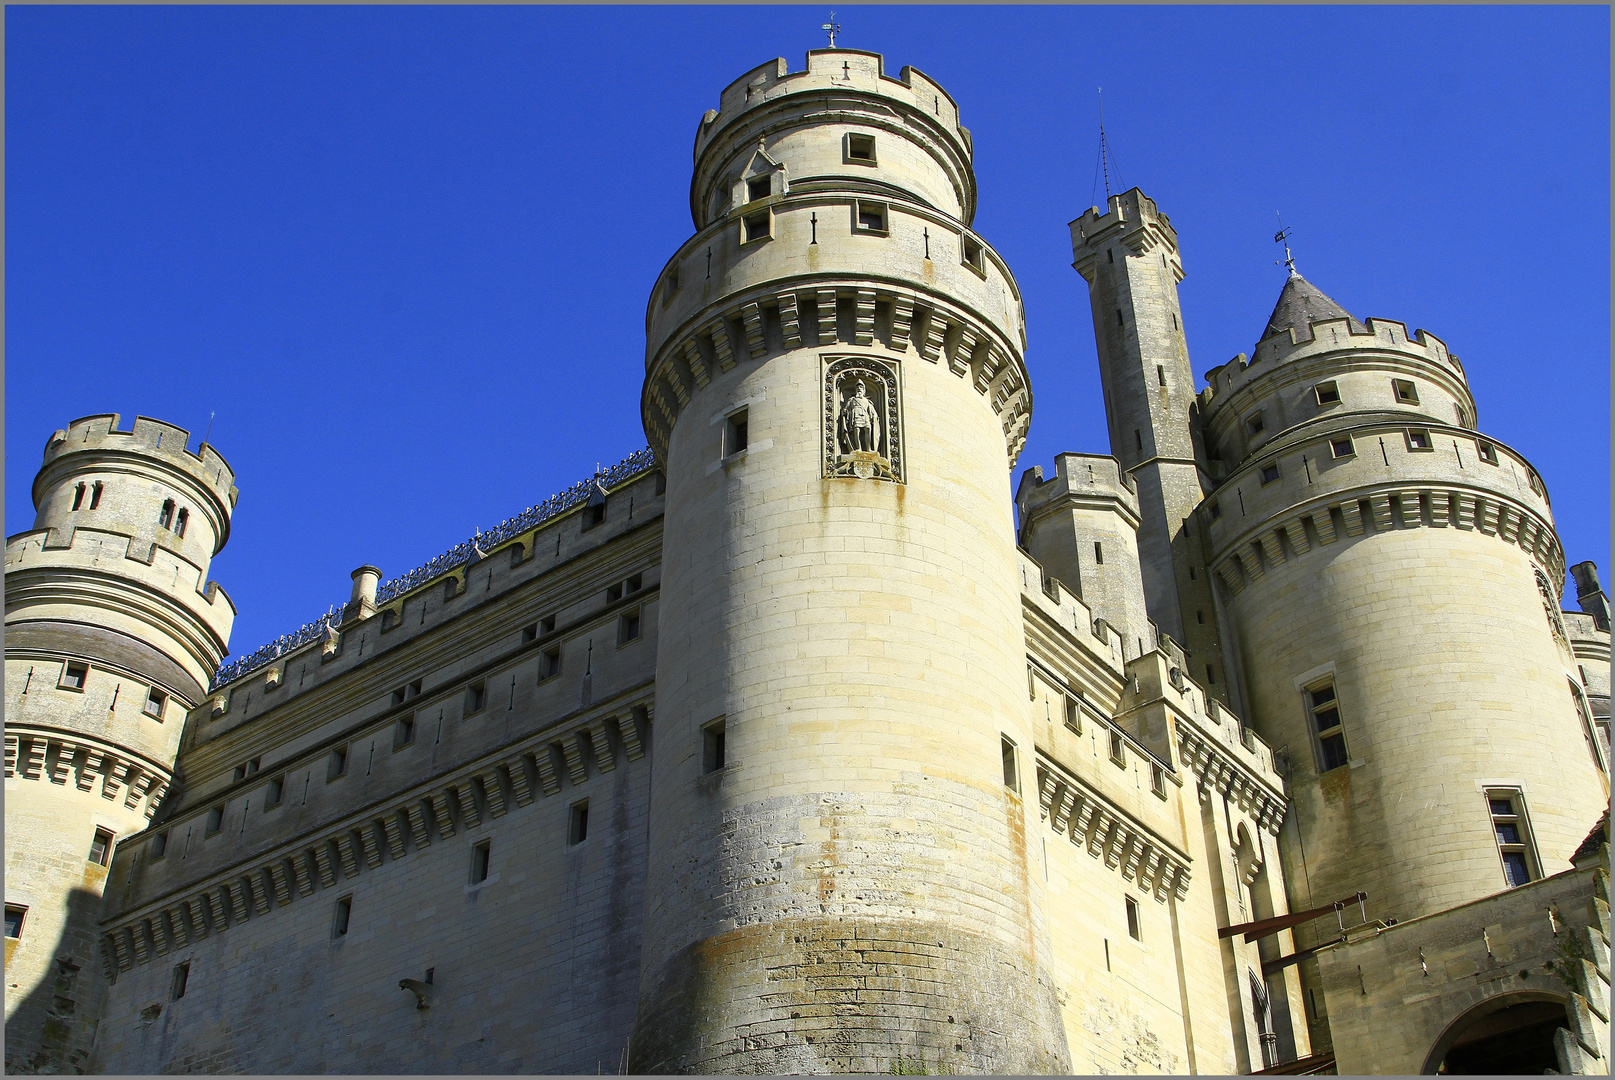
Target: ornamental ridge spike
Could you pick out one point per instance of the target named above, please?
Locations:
(639, 462)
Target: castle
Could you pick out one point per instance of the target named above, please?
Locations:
(1260, 743)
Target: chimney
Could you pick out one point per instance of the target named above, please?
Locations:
(362, 604)
(1590, 594)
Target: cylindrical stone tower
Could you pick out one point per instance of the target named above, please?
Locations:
(112, 633)
(838, 877)
(1392, 579)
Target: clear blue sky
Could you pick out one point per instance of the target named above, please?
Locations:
(404, 252)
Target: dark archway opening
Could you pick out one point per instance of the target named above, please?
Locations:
(1513, 1041)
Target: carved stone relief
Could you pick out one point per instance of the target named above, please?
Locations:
(863, 436)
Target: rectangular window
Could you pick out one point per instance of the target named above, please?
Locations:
(1073, 715)
(159, 845)
(1270, 472)
(628, 628)
(1331, 737)
(1216, 510)
(871, 217)
(1405, 392)
(1098, 553)
(759, 226)
(215, 820)
(101, 847)
(1254, 425)
(398, 696)
(1157, 779)
(403, 732)
(735, 432)
(757, 188)
(1513, 836)
(340, 917)
(529, 633)
(1328, 393)
(74, 676)
(594, 514)
(479, 861)
(712, 748)
(1200, 618)
(1160, 374)
(1342, 448)
(549, 662)
(613, 593)
(972, 255)
(1211, 675)
(1488, 452)
(155, 700)
(1118, 748)
(273, 791)
(578, 823)
(15, 914)
(246, 769)
(476, 696)
(1012, 779)
(861, 148)
(1418, 439)
(546, 625)
(337, 765)
(634, 583)
(182, 975)
(1135, 929)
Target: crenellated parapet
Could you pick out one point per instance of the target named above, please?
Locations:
(1132, 220)
(1335, 483)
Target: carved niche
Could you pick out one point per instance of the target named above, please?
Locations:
(863, 435)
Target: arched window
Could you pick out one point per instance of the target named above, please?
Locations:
(181, 522)
(166, 517)
(78, 497)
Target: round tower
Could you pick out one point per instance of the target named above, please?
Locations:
(113, 631)
(838, 876)
(1391, 578)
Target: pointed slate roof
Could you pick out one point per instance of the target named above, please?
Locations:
(1301, 303)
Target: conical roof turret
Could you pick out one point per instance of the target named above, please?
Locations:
(1302, 303)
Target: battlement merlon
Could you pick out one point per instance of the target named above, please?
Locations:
(1131, 219)
(1083, 481)
(1385, 337)
(152, 441)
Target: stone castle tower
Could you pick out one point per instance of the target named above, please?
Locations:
(835, 384)
(1387, 581)
(113, 632)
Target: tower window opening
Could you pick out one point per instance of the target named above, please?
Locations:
(403, 732)
(181, 521)
(1216, 510)
(1255, 425)
(712, 746)
(337, 764)
(1510, 827)
(1211, 676)
(549, 662)
(1342, 448)
(1326, 727)
(970, 253)
(340, 917)
(1405, 392)
(1270, 472)
(215, 820)
(757, 188)
(158, 846)
(1012, 779)
(1419, 439)
(759, 225)
(1135, 930)
(1200, 617)
(1110, 253)
(1138, 438)
(476, 697)
(101, 847)
(1157, 780)
(614, 592)
(1174, 316)
(546, 625)
(155, 701)
(247, 768)
(735, 432)
(75, 676)
(1073, 716)
(165, 517)
(871, 218)
(1327, 393)
(861, 148)
(480, 854)
(15, 914)
(1098, 553)
(182, 975)
(1160, 374)
(578, 823)
(95, 495)
(1121, 320)
(1118, 749)
(273, 791)
(628, 628)
(78, 496)
(594, 514)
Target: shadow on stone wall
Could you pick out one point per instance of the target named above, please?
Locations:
(53, 1027)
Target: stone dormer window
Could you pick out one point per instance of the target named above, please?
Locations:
(758, 187)
(1342, 447)
(858, 149)
(1327, 393)
(1406, 393)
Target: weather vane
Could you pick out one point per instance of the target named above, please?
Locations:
(1283, 237)
(832, 28)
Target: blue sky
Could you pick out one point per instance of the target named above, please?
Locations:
(403, 253)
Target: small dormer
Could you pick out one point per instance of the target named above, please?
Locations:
(761, 178)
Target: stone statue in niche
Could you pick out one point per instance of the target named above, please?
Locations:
(861, 434)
